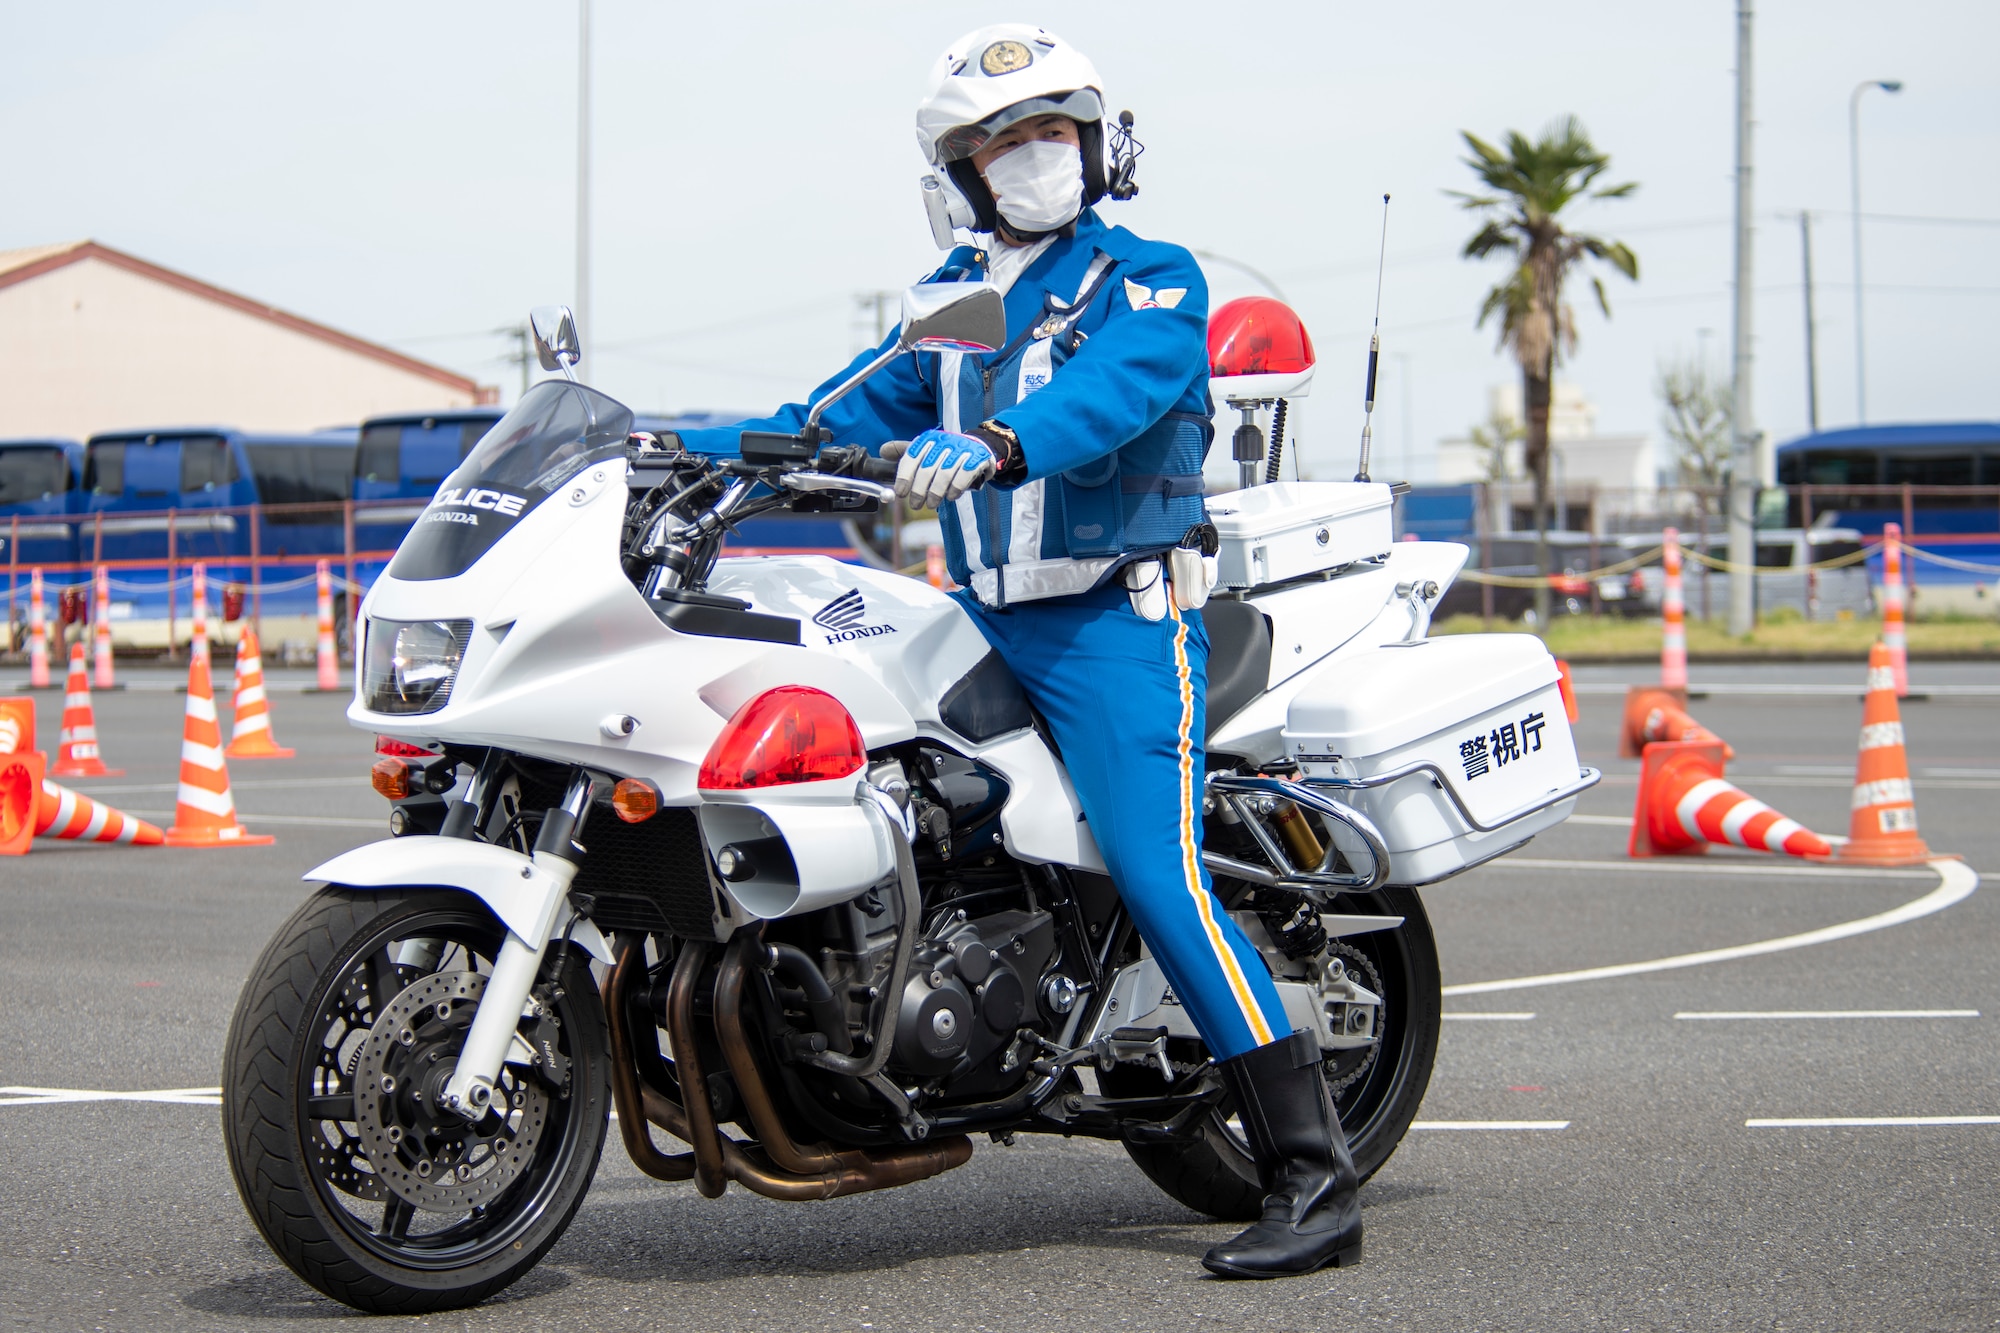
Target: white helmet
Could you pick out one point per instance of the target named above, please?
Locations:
(989, 79)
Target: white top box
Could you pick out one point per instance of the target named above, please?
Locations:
(1287, 529)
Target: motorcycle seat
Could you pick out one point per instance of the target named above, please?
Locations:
(1239, 658)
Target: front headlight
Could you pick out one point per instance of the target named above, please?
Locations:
(410, 664)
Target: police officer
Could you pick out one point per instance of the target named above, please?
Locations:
(1066, 471)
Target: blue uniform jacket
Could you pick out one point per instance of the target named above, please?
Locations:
(1139, 359)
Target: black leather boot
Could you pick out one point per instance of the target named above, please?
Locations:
(1311, 1216)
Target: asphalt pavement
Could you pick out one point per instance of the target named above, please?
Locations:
(1633, 1189)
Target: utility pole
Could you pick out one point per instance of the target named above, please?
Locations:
(582, 307)
(523, 354)
(1743, 470)
(1812, 345)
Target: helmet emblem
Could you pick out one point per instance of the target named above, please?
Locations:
(1004, 58)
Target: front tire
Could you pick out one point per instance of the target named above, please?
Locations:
(332, 1178)
(1377, 1099)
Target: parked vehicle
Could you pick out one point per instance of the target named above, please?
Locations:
(38, 482)
(830, 856)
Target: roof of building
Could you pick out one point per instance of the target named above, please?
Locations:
(1919, 435)
(34, 261)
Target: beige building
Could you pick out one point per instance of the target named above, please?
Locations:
(1593, 478)
(93, 339)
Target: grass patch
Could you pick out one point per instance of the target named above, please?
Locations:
(1783, 636)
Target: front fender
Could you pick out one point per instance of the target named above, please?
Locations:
(506, 881)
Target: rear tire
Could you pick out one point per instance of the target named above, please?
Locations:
(299, 1167)
(1215, 1174)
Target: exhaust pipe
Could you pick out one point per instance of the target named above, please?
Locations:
(776, 1167)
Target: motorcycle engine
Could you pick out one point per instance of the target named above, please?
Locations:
(974, 983)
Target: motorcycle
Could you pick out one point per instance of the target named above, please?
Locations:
(779, 844)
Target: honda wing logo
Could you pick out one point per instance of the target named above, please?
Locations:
(843, 617)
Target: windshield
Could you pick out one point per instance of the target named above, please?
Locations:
(554, 432)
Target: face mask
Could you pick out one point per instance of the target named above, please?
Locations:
(1038, 186)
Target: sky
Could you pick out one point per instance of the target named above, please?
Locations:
(407, 173)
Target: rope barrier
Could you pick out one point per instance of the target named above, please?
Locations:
(1949, 563)
(1721, 566)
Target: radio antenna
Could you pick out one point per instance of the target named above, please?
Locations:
(1374, 348)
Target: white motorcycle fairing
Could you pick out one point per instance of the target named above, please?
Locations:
(511, 884)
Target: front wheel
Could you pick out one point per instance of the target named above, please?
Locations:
(1376, 1088)
(343, 1037)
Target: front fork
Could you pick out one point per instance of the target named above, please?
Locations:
(498, 1019)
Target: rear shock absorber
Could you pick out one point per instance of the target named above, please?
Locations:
(1292, 921)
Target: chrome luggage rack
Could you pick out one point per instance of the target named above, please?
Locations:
(1244, 792)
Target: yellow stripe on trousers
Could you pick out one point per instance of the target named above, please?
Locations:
(1204, 901)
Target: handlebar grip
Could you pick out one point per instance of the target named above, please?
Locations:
(878, 469)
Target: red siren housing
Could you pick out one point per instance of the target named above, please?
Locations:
(1257, 335)
(791, 734)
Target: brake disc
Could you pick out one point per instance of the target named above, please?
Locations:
(426, 1154)
(337, 1151)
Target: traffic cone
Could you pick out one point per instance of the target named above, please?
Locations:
(1673, 616)
(100, 632)
(204, 812)
(329, 655)
(1882, 831)
(76, 747)
(1655, 715)
(934, 572)
(38, 633)
(17, 725)
(1685, 805)
(251, 737)
(20, 801)
(63, 813)
(1893, 637)
(1568, 689)
(198, 642)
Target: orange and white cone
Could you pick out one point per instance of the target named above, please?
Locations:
(70, 814)
(1685, 806)
(76, 748)
(204, 812)
(934, 572)
(20, 801)
(38, 633)
(1882, 830)
(100, 631)
(1655, 715)
(1893, 636)
(17, 725)
(329, 653)
(251, 737)
(1567, 687)
(1673, 617)
(198, 642)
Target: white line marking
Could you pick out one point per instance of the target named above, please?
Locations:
(17, 1096)
(1820, 770)
(1493, 1017)
(1616, 821)
(253, 784)
(1840, 1122)
(1961, 772)
(1722, 1014)
(250, 817)
(1489, 1124)
(1725, 864)
(1956, 881)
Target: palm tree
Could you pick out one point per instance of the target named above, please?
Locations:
(1529, 184)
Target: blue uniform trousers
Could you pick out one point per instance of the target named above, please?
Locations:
(1124, 697)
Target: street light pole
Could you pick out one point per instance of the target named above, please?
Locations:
(1854, 179)
(1812, 342)
(1743, 472)
(583, 325)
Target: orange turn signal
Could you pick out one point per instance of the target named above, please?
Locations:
(635, 799)
(391, 777)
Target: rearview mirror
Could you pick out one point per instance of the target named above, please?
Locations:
(953, 317)
(556, 345)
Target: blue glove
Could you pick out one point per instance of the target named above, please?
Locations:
(939, 466)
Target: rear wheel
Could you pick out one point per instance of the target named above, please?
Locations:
(1377, 1088)
(342, 1040)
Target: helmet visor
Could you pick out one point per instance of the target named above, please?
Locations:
(963, 141)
